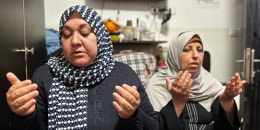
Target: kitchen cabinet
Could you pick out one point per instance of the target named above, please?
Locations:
(22, 45)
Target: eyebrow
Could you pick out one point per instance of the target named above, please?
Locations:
(80, 26)
(196, 40)
(85, 25)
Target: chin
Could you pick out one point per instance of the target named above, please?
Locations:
(81, 62)
(193, 71)
(80, 65)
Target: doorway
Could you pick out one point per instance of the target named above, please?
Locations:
(251, 68)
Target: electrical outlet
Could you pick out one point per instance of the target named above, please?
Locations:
(234, 32)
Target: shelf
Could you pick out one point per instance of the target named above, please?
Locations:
(144, 46)
(139, 42)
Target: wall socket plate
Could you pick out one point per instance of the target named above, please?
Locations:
(234, 32)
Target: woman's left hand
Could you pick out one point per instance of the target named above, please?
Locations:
(233, 88)
(127, 100)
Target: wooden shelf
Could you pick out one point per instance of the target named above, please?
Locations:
(144, 46)
(139, 42)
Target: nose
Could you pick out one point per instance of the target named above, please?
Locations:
(195, 53)
(76, 39)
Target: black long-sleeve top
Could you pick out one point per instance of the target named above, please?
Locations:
(195, 117)
(101, 114)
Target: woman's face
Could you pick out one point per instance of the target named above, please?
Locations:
(192, 56)
(78, 42)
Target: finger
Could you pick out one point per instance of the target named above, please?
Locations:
(181, 78)
(179, 75)
(132, 90)
(117, 106)
(26, 98)
(123, 114)
(237, 76)
(190, 83)
(228, 88)
(237, 79)
(12, 78)
(178, 79)
(15, 82)
(233, 80)
(124, 105)
(119, 99)
(243, 82)
(122, 92)
(17, 101)
(168, 83)
(15, 92)
(187, 78)
(239, 87)
(232, 84)
(130, 94)
(239, 82)
(27, 108)
(228, 85)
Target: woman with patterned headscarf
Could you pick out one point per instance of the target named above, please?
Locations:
(193, 98)
(82, 88)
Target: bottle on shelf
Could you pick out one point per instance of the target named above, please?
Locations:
(128, 31)
(136, 31)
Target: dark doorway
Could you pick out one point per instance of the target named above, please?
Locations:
(251, 99)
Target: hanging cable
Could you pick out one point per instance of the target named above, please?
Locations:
(102, 8)
(24, 41)
(118, 11)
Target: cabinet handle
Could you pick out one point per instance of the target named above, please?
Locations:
(26, 50)
(248, 64)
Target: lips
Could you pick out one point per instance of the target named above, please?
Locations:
(194, 64)
(78, 53)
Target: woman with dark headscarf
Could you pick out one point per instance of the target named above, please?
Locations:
(196, 100)
(83, 87)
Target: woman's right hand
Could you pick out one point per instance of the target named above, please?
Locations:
(127, 101)
(180, 90)
(21, 95)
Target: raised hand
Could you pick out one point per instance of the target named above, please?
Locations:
(21, 95)
(233, 87)
(180, 90)
(127, 100)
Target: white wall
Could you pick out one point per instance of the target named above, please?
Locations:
(54, 9)
(212, 22)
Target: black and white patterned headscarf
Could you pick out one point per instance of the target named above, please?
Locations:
(68, 98)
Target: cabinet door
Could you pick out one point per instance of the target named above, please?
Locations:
(35, 34)
(22, 26)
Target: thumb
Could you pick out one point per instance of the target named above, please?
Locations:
(12, 78)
